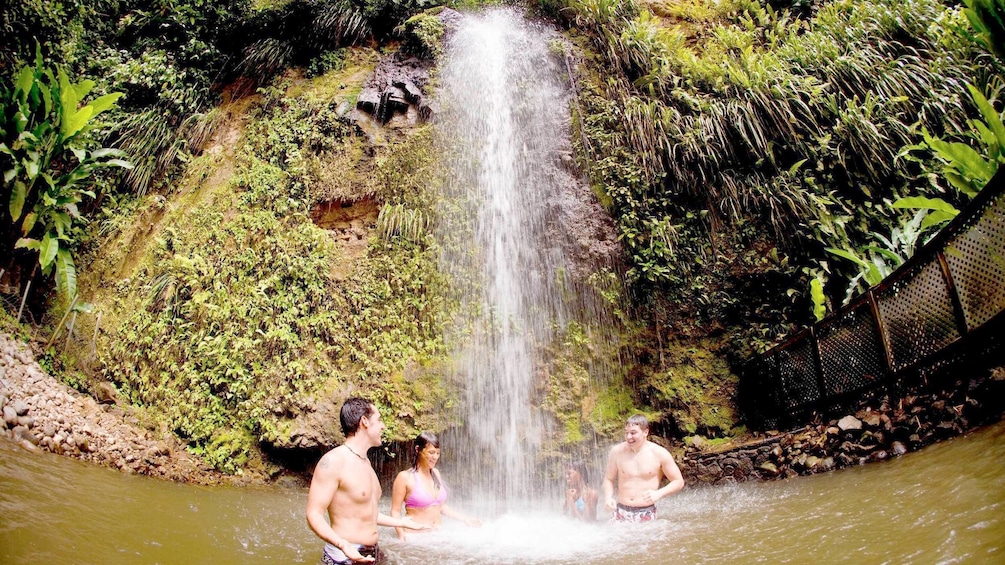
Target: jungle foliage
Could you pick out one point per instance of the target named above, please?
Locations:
(49, 159)
(744, 148)
(255, 311)
(170, 58)
(702, 115)
(258, 314)
(762, 160)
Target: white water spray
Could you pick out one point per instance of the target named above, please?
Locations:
(504, 125)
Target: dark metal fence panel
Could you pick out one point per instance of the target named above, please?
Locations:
(947, 302)
(850, 354)
(976, 260)
(760, 391)
(917, 311)
(797, 367)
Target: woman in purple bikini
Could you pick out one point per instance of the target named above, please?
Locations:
(421, 490)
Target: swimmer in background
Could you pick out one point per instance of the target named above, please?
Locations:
(421, 489)
(580, 498)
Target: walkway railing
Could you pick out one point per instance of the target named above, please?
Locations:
(944, 303)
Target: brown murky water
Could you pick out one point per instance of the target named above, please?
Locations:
(943, 505)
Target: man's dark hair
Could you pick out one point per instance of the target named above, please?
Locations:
(353, 410)
(639, 420)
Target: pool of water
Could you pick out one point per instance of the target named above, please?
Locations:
(945, 504)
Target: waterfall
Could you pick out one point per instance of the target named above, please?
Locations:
(504, 126)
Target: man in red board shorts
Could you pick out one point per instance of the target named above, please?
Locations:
(638, 466)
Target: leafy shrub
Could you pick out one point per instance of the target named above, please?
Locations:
(48, 156)
(256, 311)
(423, 34)
(328, 61)
(745, 113)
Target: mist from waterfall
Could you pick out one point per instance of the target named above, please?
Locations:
(504, 123)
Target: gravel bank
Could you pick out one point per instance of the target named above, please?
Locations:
(41, 413)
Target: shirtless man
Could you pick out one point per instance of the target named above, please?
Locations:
(345, 487)
(638, 465)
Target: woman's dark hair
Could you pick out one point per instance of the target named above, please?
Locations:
(420, 443)
(580, 467)
(353, 410)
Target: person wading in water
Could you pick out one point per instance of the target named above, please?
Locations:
(342, 501)
(421, 488)
(638, 466)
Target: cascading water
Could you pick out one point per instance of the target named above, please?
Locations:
(504, 126)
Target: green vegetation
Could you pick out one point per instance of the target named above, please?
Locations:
(761, 160)
(49, 158)
(243, 314)
(987, 18)
(423, 34)
(743, 146)
(737, 112)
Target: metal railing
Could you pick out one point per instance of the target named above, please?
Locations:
(945, 303)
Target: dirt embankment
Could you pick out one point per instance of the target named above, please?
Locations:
(41, 413)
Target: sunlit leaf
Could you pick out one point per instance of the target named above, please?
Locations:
(76, 121)
(935, 218)
(27, 243)
(818, 298)
(66, 274)
(105, 102)
(847, 255)
(29, 222)
(47, 250)
(17, 197)
(991, 117)
(921, 202)
(24, 81)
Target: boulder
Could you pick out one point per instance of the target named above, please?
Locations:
(9, 416)
(849, 423)
(106, 393)
(412, 93)
(872, 420)
(392, 101)
(368, 100)
(769, 468)
(428, 111)
(22, 433)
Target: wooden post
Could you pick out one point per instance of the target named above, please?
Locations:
(94, 338)
(23, 300)
(818, 367)
(954, 295)
(880, 325)
(55, 332)
(69, 331)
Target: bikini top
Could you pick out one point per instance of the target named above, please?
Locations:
(420, 498)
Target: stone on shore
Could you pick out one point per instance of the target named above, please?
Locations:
(41, 413)
(849, 423)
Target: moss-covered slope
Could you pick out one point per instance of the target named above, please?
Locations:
(235, 319)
